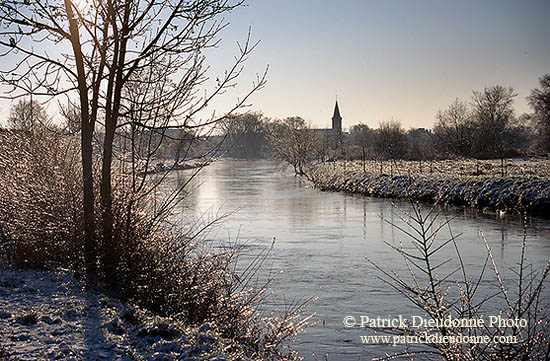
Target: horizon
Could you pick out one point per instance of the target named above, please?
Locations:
(377, 58)
(387, 60)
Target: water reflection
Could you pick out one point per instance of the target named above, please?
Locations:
(323, 238)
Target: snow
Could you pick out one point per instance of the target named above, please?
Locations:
(49, 316)
(509, 194)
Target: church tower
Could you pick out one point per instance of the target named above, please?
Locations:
(336, 120)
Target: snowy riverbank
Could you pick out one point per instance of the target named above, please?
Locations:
(48, 316)
(513, 194)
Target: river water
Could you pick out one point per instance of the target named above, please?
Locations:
(322, 241)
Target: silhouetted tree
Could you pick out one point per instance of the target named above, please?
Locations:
(518, 136)
(539, 100)
(454, 129)
(361, 135)
(391, 142)
(245, 134)
(421, 144)
(493, 115)
(157, 44)
(26, 116)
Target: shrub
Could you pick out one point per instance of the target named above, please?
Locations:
(431, 292)
(161, 267)
(39, 200)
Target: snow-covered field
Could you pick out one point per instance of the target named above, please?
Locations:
(525, 187)
(48, 316)
(513, 167)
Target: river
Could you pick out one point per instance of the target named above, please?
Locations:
(322, 241)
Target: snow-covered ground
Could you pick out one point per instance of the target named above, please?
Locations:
(48, 316)
(526, 188)
(513, 167)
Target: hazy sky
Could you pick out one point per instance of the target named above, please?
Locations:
(384, 59)
(389, 59)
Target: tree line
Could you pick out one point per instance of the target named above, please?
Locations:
(483, 127)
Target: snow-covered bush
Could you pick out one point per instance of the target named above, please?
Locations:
(39, 200)
(163, 268)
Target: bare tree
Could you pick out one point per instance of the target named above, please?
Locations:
(493, 116)
(362, 136)
(71, 116)
(391, 141)
(454, 129)
(26, 116)
(322, 142)
(421, 145)
(292, 141)
(539, 100)
(158, 45)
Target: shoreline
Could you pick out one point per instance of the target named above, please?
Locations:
(162, 168)
(500, 194)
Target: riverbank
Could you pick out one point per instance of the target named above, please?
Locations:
(512, 194)
(161, 167)
(49, 316)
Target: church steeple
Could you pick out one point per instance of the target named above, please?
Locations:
(336, 120)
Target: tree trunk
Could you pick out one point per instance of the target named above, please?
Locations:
(109, 251)
(110, 246)
(90, 251)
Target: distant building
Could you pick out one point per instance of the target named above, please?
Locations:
(336, 120)
(335, 133)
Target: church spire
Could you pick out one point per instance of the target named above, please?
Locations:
(337, 120)
(336, 111)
